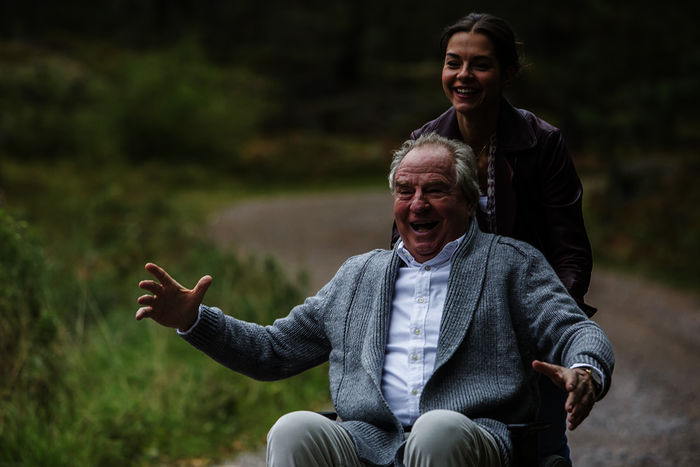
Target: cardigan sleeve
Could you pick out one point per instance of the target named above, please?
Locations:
(287, 347)
(558, 329)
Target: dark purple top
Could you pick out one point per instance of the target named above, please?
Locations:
(538, 192)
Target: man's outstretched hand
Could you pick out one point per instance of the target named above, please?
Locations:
(578, 383)
(170, 304)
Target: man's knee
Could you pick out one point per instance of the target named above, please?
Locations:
(438, 429)
(443, 437)
(293, 430)
(306, 438)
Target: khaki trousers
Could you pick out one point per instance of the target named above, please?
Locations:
(438, 438)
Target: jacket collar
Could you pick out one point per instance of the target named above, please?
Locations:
(468, 267)
(514, 131)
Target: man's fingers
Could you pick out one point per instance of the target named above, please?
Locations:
(146, 300)
(581, 399)
(544, 368)
(552, 372)
(159, 273)
(579, 414)
(151, 286)
(143, 312)
(575, 382)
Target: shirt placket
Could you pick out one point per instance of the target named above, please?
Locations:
(417, 342)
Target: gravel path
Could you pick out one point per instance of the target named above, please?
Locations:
(651, 416)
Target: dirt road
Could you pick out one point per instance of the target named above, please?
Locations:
(651, 417)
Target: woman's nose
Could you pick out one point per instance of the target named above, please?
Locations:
(464, 72)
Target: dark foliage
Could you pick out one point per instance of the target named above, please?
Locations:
(617, 73)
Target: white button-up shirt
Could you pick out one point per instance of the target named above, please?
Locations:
(419, 299)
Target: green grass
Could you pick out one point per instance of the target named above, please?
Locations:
(84, 383)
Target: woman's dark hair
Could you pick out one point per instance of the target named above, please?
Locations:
(493, 27)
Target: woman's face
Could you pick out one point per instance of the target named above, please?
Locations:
(471, 74)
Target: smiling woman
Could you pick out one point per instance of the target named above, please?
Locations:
(530, 187)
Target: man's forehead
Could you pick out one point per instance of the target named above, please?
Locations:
(432, 161)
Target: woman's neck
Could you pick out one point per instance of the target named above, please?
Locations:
(476, 130)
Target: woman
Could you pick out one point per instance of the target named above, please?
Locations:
(530, 188)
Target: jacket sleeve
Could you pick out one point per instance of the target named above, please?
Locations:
(287, 347)
(563, 232)
(559, 331)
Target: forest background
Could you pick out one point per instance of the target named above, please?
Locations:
(124, 125)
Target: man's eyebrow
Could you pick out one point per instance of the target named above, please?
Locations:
(433, 183)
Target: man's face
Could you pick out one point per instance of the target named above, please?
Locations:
(429, 209)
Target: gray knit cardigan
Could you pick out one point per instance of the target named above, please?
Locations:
(504, 307)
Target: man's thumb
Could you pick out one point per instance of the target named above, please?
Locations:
(201, 288)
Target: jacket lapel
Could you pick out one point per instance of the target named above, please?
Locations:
(378, 314)
(468, 267)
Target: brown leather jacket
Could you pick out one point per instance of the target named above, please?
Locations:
(538, 192)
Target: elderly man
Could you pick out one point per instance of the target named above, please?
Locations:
(434, 346)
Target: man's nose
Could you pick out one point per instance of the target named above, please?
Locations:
(419, 202)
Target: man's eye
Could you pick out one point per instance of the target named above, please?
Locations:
(452, 64)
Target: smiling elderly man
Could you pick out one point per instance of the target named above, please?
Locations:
(434, 346)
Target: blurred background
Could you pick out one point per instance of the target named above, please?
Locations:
(124, 125)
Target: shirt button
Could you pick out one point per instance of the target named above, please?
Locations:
(414, 392)
(414, 357)
(427, 268)
(421, 300)
(416, 332)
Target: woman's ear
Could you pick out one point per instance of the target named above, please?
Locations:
(508, 75)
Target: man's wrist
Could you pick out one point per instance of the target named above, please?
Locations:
(192, 323)
(595, 378)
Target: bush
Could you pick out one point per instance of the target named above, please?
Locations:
(94, 106)
(175, 106)
(27, 328)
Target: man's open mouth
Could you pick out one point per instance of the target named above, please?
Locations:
(423, 226)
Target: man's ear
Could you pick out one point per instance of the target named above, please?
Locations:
(471, 209)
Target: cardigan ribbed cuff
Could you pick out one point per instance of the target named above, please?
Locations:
(207, 325)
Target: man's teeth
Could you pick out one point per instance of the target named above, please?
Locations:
(423, 227)
(467, 90)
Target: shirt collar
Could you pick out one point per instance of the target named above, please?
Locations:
(441, 258)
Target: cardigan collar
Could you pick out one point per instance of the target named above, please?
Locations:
(468, 267)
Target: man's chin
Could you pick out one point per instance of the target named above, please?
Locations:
(423, 252)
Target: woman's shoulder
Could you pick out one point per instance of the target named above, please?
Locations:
(444, 125)
(521, 129)
(536, 122)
